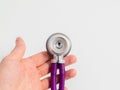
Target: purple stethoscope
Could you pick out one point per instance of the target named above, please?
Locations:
(58, 45)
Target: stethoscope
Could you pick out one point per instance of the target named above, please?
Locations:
(58, 45)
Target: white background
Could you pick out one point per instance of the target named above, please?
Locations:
(92, 25)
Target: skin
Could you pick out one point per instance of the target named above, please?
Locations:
(18, 73)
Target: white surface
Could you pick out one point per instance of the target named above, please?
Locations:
(92, 25)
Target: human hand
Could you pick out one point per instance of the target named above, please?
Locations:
(18, 73)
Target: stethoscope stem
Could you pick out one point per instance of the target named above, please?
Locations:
(53, 76)
(62, 76)
(61, 80)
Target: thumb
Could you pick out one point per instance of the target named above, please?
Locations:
(19, 50)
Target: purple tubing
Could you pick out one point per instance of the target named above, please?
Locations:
(62, 76)
(53, 76)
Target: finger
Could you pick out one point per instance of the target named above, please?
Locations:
(66, 88)
(39, 58)
(45, 68)
(69, 74)
(19, 50)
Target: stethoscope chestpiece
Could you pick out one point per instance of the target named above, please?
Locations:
(58, 45)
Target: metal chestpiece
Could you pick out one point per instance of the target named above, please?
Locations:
(58, 45)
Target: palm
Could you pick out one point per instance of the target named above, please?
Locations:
(30, 76)
(26, 74)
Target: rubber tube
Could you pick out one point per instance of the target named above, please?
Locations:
(53, 76)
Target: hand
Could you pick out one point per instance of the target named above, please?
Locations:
(18, 73)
